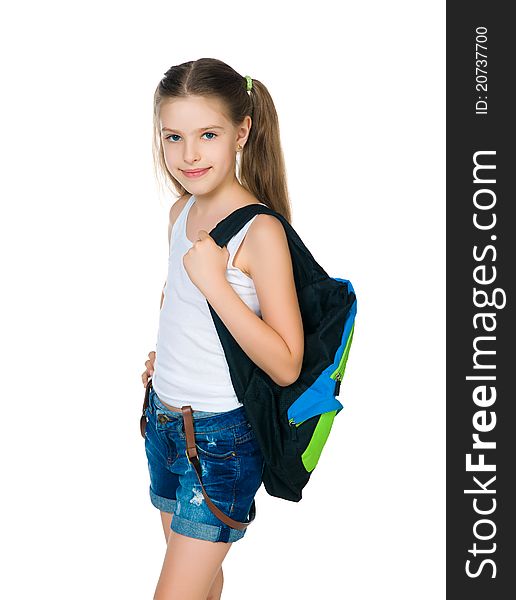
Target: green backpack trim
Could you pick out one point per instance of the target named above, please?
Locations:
(312, 453)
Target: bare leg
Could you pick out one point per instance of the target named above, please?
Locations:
(189, 568)
(215, 592)
(218, 582)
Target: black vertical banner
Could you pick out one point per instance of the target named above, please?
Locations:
(480, 323)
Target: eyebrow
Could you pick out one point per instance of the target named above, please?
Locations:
(200, 128)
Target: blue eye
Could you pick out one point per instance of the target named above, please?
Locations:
(175, 135)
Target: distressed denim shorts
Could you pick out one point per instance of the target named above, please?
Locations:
(232, 469)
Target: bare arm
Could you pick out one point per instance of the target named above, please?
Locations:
(276, 342)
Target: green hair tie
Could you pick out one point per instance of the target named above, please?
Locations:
(249, 83)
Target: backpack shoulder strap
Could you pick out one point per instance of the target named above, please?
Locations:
(233, 223)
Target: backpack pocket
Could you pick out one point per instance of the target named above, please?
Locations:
(312, 406)
(320, 400)
(309, 438)
(320, 397)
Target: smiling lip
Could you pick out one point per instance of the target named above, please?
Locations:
(196, 172)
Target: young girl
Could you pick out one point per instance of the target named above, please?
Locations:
(205, 115)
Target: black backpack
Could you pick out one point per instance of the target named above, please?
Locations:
(292, 423)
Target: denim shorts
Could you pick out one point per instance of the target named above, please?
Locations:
(232, 469)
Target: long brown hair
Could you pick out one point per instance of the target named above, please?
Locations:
(262, 165)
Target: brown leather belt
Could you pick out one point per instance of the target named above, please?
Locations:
(191, 453)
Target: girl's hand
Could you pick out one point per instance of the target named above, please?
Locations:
(149, 370)
(206, 263)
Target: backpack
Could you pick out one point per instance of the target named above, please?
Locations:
(292, 423)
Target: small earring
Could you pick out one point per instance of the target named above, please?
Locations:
(239, 148)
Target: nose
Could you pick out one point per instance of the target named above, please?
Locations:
(191, 153)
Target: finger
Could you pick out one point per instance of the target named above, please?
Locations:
(150, 367)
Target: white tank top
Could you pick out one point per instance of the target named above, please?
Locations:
(190, 366)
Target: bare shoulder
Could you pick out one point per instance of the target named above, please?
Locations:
(267, 226)
(265, 239)
(175, 210)
(266, 230)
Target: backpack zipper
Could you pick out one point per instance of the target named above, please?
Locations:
(338, 374)
(338, 381)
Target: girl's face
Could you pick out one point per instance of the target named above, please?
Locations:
(196, 135)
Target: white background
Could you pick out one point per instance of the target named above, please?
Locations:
(360, 98)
